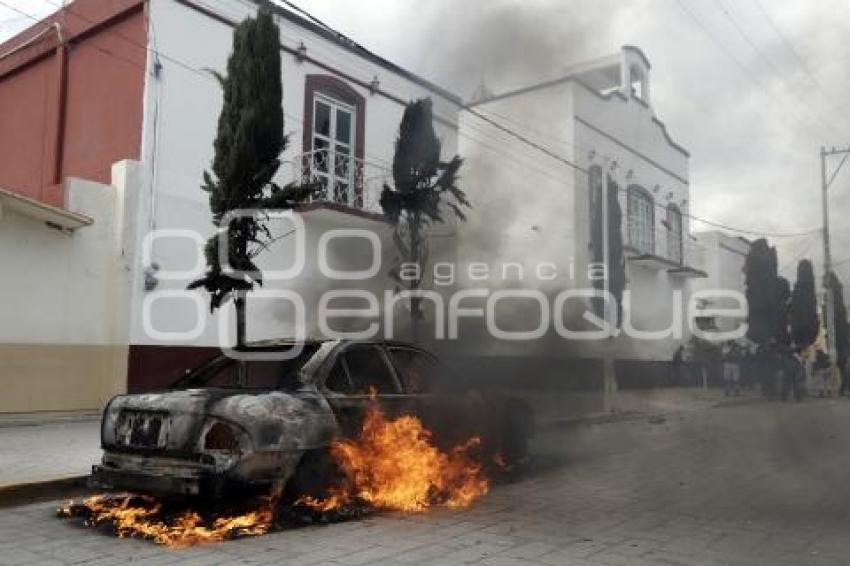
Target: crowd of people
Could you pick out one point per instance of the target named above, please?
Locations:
(776, 369)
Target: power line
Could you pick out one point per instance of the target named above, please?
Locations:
(761, 54)
(803, 248)
(660, 206)
(731, 55)
(561, 158)
(524, 139)
(159, 53)
(799, 59)
(97, 47)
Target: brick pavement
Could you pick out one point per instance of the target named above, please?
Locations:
(756, 484)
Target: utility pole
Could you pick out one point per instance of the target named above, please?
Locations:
(829, 305)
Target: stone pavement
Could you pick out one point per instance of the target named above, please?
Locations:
(33, 451)
(752, 484)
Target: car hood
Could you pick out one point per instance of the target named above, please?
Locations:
(272, 420)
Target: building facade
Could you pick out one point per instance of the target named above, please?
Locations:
(128, 82)
(569, 140)
(723, 258)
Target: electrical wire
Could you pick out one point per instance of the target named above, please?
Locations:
(204, 73)
(800, 61)
(800, 251)
(569, 163)
(733, 58)
(39, 20)
(761, 54)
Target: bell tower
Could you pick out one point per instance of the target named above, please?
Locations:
(634, 74)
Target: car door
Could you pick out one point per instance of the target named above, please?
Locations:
(452, 414)
(359, 377)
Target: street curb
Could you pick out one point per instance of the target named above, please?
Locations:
(41, 419)
(13, 495)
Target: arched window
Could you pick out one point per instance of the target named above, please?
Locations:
(674, 233)
(334, 135)
(595, 199)
(640, 211)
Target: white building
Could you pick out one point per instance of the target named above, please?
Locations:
(722, 257)
(569, 137)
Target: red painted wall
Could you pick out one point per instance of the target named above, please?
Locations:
(73, 111)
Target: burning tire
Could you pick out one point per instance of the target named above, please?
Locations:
(316, 473)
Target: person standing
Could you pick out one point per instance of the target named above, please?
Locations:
(821, 370)
(790, 373)
(679, 369)
(731, 369)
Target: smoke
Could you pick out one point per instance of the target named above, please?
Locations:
(518, 223)
(751, 132)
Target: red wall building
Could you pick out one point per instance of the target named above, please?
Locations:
(71, 91)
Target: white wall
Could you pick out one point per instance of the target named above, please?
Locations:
(65, 287)
(723, 257)
(65, 307)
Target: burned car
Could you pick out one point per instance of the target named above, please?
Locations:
(230, 424)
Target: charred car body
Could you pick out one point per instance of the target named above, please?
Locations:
(228, 424)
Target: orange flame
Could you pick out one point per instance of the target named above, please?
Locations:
(395, 465)
(133, 515)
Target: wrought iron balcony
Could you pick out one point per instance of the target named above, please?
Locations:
(344, 179)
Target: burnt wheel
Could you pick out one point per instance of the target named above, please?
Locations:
(316, 473)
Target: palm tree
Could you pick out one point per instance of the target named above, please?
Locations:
(424, 187)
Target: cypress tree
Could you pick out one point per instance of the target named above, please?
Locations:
(616, 259)
(782, 310)
(804, 310)
(762, 292)
(247, 147)
(615, 268)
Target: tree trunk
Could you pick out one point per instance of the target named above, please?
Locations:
(609, 381)
(415, 257)
(239, 303)
(415, 318)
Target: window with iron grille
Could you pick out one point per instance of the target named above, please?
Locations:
(641, 219)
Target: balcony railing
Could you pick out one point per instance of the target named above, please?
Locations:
(343, 179)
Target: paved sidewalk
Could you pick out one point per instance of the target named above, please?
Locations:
(35, 452)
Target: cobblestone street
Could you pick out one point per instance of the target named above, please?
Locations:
(757, 483)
